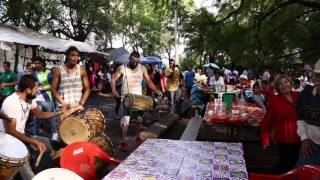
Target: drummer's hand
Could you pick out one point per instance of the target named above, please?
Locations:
(158, 92)
(40, 146)
(79, 107)
(66, 106)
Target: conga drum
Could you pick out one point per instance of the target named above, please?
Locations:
(134, 102)
(82, 126)
(13, 154)
(57, 174)
(104, 142)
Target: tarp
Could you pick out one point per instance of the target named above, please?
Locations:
(25, 36)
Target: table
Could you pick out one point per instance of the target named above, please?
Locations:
(245, 114)
(174, 159)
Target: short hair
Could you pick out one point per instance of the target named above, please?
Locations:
(40, 59)
(171, 60)
(27, 81)
(72, 48)
(28, 64)
(7, 63)
(277, 81)
(256, 85)
(135, 54)
(297, 82)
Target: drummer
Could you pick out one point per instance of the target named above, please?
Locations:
(18, 106)
(132, 76)
(72, 81)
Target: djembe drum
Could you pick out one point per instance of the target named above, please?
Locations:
(57, 173)
(134, 102)
(82, 126)
(104, 142)
(13, 154)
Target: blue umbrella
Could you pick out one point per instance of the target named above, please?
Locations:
(153, 60)
(124, 59)
(213, 65)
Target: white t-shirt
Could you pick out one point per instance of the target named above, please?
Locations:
(214, 82)
(18, 109)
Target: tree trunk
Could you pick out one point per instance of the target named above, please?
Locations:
(16, 61)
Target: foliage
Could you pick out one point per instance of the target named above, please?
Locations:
(255, 33)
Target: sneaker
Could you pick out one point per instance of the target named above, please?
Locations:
(139, 140)
(124, 147)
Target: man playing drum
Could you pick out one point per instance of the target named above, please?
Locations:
(18, 106)
(72, 81)
(132, 76)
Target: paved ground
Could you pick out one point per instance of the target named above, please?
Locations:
(257, 159)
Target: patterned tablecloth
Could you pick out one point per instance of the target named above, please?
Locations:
(246, 114)
(183, 160)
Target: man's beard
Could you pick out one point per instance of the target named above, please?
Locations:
(30, 97)
(133, 64)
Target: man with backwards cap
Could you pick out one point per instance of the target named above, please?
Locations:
(308, 108)
(132, 76)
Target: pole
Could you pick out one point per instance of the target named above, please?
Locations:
(176, 33)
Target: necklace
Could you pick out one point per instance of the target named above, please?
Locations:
(24, 110)
(69, 78)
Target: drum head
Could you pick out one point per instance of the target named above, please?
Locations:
(127, 101)
(12, 149)
(73, 130)
(57, 174)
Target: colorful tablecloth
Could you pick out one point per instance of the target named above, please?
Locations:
(162, 159)
(245, 114)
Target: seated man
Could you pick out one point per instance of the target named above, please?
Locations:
(198, 90)
(18, 106)
(258, 98)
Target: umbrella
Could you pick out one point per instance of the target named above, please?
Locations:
(213, 65)
(116, 53)
(153, 60)
(124, 59)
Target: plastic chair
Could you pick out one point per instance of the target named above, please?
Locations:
(301, 173)
(79, 158)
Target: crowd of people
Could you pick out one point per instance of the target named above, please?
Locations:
(291, 107)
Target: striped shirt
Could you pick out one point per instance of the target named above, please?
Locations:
(70, 87)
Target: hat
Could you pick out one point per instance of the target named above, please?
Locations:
(307, 67)
(317, 67)
(199, 78)
(243, 77)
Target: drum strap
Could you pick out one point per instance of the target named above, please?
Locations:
(125, 76)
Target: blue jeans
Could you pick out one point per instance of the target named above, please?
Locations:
(312, 160)
(52, 122)
(174, 99)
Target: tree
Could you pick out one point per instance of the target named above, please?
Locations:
(252, 33)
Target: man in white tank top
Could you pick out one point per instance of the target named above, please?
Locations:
(70, 85)
(132, 76)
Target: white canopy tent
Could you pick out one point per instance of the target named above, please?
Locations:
(25, 36)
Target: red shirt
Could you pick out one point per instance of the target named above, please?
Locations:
(281, 116)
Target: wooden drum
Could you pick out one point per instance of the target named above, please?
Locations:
(104, 142)
(13, 154)
(134, 102)
(82, 126)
